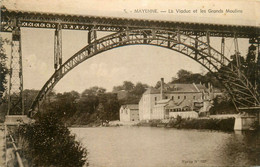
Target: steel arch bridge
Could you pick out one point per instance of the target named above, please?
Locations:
(242, 92)
(190, 39)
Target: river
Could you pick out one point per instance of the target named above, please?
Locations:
(162, 147)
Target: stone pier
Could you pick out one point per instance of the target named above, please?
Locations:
(246, 122)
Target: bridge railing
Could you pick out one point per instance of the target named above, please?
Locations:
(16, 150)
(18, 157)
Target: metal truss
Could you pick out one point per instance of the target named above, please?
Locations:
(57, 47)
(15, 90)
(81, 22)
(197, 48)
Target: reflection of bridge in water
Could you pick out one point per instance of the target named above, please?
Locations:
(190, 39)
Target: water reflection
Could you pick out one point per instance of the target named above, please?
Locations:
(153, 147)
(242, 148)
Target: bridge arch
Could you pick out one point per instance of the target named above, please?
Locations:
(242, 92)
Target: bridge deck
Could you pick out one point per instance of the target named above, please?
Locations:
(82, 22)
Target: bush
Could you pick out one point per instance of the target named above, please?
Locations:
(212, 124)
(47, 142)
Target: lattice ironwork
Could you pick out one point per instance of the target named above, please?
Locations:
(57, 47)
(81, 22)
(197, 48)
(15, 100)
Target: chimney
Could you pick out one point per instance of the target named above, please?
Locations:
(162, 87)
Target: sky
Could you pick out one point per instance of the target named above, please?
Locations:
(141, 63)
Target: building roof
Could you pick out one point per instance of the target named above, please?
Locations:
(132, 106)
(178, 88)
(164, 101)
(152, 90)
(186, 87)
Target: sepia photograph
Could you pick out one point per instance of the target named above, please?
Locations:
(129, 83)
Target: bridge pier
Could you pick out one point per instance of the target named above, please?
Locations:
(15, 88)
(249, 120)
(57, 47)
(245, 122)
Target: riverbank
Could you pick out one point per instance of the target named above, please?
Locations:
(223, 124)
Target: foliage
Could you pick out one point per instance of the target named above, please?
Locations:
(225, 124)
(47, 142)
(183, 73)
(29, 96)
(133, 92)
(108, 107)
(3, 68)
(93, 91)
(251, 66)
(127, 85)
(189, 77)
(93, 106)
(222, 105)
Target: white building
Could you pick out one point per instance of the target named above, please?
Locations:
(129, 112)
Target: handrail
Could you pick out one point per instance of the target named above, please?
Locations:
(19, 159)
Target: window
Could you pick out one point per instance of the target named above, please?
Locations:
(178, 97)
(172, 97)
(166, 97)
(184, 97)
(155, 98)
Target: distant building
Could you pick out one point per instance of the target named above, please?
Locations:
(129, 112)
(172, 99)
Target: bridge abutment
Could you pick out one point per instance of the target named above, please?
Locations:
(249, 120)
(246, 122)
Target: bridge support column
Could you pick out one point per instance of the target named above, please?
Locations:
(15, 90)
(57, 47)
(246, 122)
(249, 119)
(255, 47)
(222, 49)
(196, 47)
(237, 55)
(92, 36)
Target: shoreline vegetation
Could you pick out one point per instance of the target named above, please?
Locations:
(222, 124)
(48, 142)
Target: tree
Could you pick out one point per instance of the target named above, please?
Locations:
(47, 142)
(183, 73)
(3, 68)
(251, 69)
(108, 107)
(158, 84)
(139, 89)
(95, 90)
(29, 96)
(128, 85)
(118, 88)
